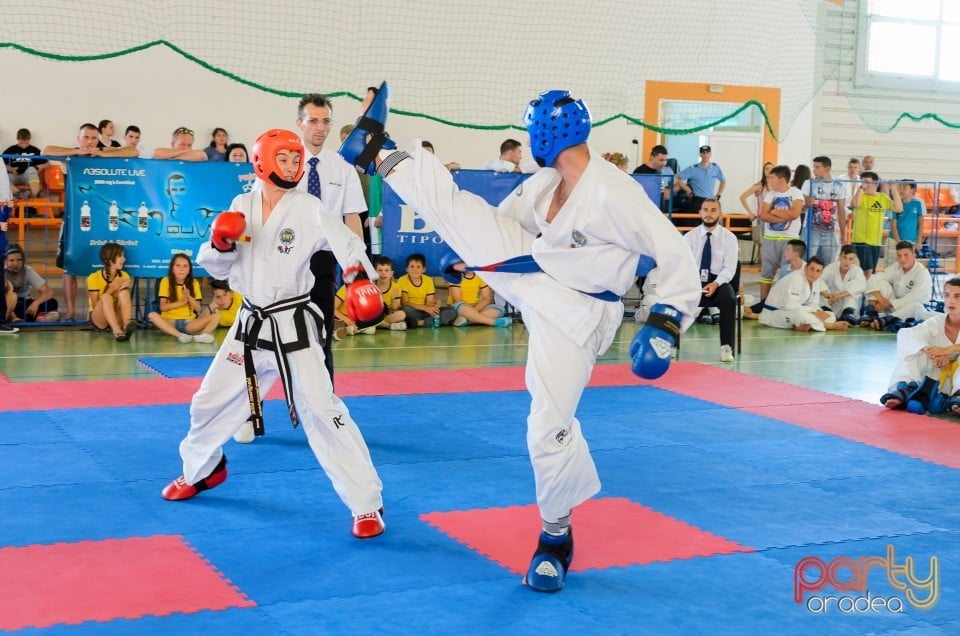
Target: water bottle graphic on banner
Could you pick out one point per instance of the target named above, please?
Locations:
(143, 218)
(114, 217)
(85, 217)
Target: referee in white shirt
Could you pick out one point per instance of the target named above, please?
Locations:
(327, 176)
(716, 251)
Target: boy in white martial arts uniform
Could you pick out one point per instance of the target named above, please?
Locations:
(578, 227)
(927, 376)
(845, 285)
(278, 334)
(895, 296)
(794, 302)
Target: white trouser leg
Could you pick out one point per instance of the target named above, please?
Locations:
(220, 407)
(333, 434)
(556, 374)
(790, 318)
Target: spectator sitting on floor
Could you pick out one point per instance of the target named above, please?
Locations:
(927, 375)
(845, 286)
(793, 261)
(23, 279)
(395, 318)
(895, 296)
(108, 289)
(472, 299)
(225, 305)
(794, 302)
(418, 296)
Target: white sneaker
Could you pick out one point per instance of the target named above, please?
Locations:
(370, 331)
(351, 330)
(459, 321)
(398, 326)
(205, 338)
(245, 434)
(184, 338)
(726, 353)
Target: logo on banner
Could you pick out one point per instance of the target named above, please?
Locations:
(414, 230)
(845, 574)
(287, 237)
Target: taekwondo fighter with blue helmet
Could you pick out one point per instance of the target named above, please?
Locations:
(563, 248)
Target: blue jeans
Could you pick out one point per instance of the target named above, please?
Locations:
(823, 244)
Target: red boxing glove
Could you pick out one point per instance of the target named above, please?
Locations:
(364, 304)
(227, 228)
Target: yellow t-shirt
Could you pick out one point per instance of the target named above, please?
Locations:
(392, 292)
(470, 289)
(416, 294)
(868, 218)
(180, 313)
(96, 282)
(229, 316)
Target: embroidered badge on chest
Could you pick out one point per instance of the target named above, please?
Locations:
(287, 237)
(579, 240)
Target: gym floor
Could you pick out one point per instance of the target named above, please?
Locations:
(719, 480)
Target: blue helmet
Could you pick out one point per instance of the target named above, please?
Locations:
(555, 122)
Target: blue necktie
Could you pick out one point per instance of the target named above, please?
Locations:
(706, 255)
(313, 178)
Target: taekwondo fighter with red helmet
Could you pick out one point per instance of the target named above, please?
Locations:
(563, 248)
(263, 247)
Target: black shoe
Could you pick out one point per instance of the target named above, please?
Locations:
(6, 329)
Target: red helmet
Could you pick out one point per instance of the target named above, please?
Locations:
(265, 151)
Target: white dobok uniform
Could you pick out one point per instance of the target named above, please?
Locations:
(853, 282)
(913, 365)
(906, 290)
(792, 302)
(274, 266)
(592, 245)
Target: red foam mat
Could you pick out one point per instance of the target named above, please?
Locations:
(508, 535)
(917, 436)
(73, 583)
(158, 391)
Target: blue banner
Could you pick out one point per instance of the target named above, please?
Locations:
(154, 208)
(405, 233)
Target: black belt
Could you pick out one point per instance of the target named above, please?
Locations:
(249, 333)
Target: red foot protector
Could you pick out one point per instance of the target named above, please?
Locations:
(105, 580)
(612, 532)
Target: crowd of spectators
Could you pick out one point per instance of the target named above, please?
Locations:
(847, 223)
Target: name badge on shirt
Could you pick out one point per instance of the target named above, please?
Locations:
(704, 276)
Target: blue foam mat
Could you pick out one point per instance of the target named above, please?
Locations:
(279, 533)
(178, 366)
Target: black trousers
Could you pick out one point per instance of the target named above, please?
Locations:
(323, 266)
(724, 299)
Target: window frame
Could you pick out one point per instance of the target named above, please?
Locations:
(866, 78)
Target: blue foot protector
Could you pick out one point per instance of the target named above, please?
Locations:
(548, 568)
(369, 136)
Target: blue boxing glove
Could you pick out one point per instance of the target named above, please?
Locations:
(653, 345)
